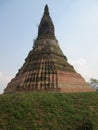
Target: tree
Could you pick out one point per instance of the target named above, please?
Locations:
(94, 83)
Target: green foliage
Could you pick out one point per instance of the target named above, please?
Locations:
(94, 83)
(93, 80)
(48, 111)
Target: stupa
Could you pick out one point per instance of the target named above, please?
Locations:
(46, 68)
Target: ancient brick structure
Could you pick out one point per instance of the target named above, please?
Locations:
(46, 68)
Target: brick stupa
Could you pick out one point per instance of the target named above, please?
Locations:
(46, 68)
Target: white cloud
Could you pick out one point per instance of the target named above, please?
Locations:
(82, 66)
(4, 79)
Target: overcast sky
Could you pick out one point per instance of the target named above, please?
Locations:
(76, 28)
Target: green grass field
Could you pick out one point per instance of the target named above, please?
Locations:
(48, 111)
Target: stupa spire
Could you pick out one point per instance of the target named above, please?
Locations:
(46, 10)
(46, 27)
(46, 68)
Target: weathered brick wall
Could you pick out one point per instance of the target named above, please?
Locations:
(14, 84)
(71, 78)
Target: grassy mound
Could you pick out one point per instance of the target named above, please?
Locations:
(48, 111)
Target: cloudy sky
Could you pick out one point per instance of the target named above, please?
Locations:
(76, 28)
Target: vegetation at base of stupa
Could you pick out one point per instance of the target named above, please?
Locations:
(49, 111)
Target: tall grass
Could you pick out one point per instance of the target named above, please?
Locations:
(48, 111)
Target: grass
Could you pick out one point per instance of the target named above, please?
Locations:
(48, 111)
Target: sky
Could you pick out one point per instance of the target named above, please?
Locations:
(76, 29)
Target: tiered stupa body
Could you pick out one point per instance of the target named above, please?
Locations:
(46, 68)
